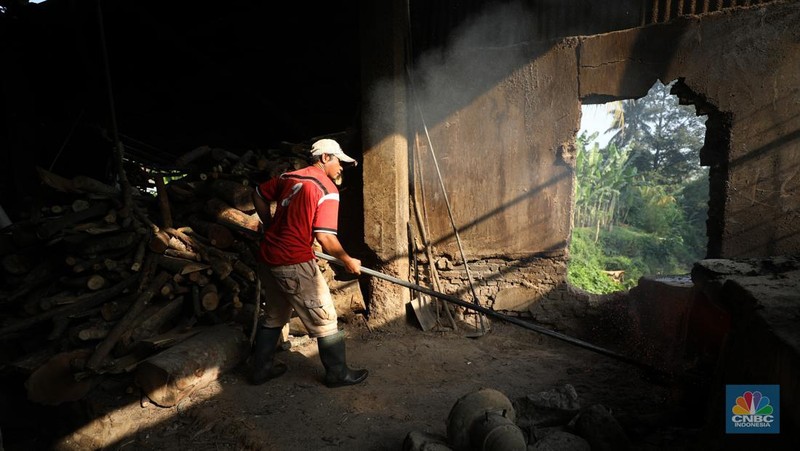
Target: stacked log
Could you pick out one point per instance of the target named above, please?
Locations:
(92, 288)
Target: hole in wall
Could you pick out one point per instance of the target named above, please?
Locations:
(641, 194)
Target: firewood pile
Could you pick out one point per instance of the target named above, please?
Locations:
(97, 285)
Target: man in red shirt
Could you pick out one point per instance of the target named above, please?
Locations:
(307, 208)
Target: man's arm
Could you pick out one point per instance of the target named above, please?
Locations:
(262, 209)
(331, 245)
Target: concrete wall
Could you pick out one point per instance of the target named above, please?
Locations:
(493, 163)
(497, 121)
(741, 66)
(500, 128)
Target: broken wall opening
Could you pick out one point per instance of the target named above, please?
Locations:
(641, 191)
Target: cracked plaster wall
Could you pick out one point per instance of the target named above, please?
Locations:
(505, 149)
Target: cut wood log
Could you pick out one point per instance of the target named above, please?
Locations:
(54, 210)
(178, 245)
(111, 216)
(113, 265)
(235, 194)
(247, 251)
(216, 258)
(138, 257)
(183, 254)
(171, 375)
(59, 299)
(171, 338)
(114, 310)
(198, 309)
(209, 297)
(54, 382)
(59, 327)
(19, 264)
(99, 245)
(231, 217)
(192, 155)
(245, 271)
(55, 181)
(96, 228)
(232, 290)
(53, 226)
(96, 282)
(163, 201)
(93, 282)
(183, 266)
(80, 205)
(171, 289)
(92, 264)
(198, 278)
(33, 302)
(218, 235)
(38, 277)
(97, 361)
(81, 303)
(159, 242)
(150, 326)
(93, 332)
(243, 163)
(90, 185)
(167, 289)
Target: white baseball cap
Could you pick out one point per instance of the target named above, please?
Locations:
(331, 147)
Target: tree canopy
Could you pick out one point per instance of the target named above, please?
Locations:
(642, 201)
(663, 136)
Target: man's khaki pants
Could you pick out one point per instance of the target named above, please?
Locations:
(302, 288)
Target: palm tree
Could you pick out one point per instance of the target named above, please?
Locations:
(602, 177)
(664, 137)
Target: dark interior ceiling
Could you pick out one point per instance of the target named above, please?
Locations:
(234, 74)
(237, 74)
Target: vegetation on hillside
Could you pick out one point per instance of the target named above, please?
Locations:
(641, 202)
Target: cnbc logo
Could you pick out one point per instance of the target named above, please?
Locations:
(752, 409)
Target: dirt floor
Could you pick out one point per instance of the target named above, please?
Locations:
(415, 379)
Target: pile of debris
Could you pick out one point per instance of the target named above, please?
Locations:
(94, 284)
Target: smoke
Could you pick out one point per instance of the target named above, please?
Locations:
(481, 52)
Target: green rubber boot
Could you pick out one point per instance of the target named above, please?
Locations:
(332, 354)
(264, 366)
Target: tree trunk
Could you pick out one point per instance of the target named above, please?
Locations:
(177, 372)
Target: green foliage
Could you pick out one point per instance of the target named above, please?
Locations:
(603, 177)
(641, 203)
(654, 210)
(646, 253)
(693, 199)
(663, 136)
(586, 269)
(627, 249)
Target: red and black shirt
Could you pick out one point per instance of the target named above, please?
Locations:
(307, 203)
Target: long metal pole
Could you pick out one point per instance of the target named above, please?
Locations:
(492, 313)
